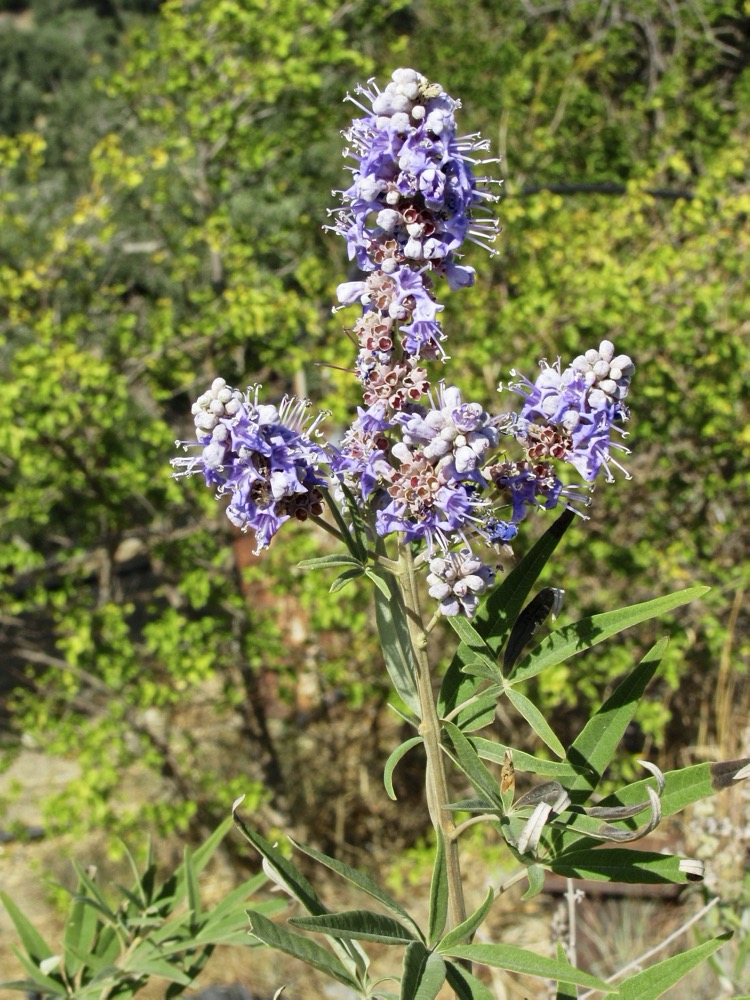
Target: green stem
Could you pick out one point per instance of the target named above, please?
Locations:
(430, 729)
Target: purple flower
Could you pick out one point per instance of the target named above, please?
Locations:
(457, 437)
(361, 462)
(456, 580)
(434, 516)
(413, 200)
(260, 456)
(570, 415)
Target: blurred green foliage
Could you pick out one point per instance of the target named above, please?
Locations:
(165, 175)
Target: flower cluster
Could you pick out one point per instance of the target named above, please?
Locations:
(456, 580)
(418, 460)
(261, 456)
(413, 201)
(570, 414)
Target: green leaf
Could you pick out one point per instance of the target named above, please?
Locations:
(379, 582)
(654, 982)
(325, 562)
(175, 887)
(620, 864)
(469, 926)
(358, 525)
(108, 944)
(464, 985)
(31, 939)
(472, 766)
(360, 879)
(587, 632)
(138, 886)
(79, 933)
(353, 542)
(683, 786)
(49, 986)
(346, 577)
(395, 757)
(231, 909)
(535, 875)
(536, 720)
(288, 876)
(495, 616)
(395, 641)
(300, 947)
(193, 892)
(423, 975)
(478, 653)
(356, 925)
(507, 956)
(95, 963)
(156, 967)
(480, 713)
(438, 893)
(565, 991)
(594, 747)
(560, 769)
(203, 854)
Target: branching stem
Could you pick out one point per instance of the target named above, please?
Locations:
(483, 818)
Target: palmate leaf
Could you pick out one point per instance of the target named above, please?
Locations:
(24, 986)
(535, 875)
(479, 654)
(593, 749)
(654, 982)
(480, 713)
(506, 956)
(303, 948)
(42, 983)
(565, 642)
(353, 536)
(423, 974)
(344, 578)
(334, 559)
(495, 617)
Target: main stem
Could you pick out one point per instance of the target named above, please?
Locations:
(430, 729)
